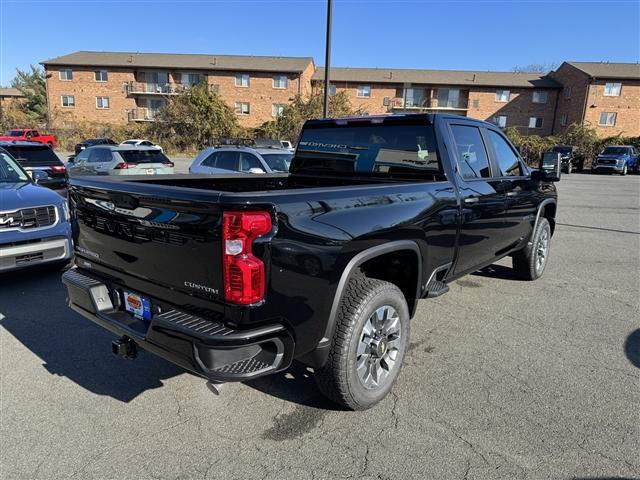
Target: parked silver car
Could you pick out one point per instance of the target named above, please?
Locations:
(34, 221)
(120, 160)
(217, 160)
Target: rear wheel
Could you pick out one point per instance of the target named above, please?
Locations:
(530, 262)
(368, 346)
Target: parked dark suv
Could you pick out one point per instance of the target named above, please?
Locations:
(34, 156)
(92, 142)
(570, 157)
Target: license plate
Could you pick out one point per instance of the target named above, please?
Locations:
(137, 305)
(151, 171)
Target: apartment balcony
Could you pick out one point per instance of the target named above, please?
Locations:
(429, 104)
(150, 88)
(141, 115)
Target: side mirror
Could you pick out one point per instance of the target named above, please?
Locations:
(38, 176)
(256, 170)
(550, 168)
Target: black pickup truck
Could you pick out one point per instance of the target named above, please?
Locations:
(233, 277)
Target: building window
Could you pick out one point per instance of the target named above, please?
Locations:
(277, 109)
(332, 90)
(563, 120)
(242, 108)
(612, 89)
(102, 102)
(414, 97)
(503, 96)
(190, 79)
(66, 74)
(242, 80)
(476, 103)
(535, 122)
(607, 119)
(215, 88)
(500, 120)
(363, 91)
(567, 92)
(449, 98)
(101, 76)
(540, 96)
(68, 101)
(280, 81)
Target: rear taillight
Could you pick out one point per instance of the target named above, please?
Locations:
(244, 276)
(124, 166)
(57, 168)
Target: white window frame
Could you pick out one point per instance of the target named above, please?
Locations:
(360, 91)
(276, 109)
(100, 72)
(68, 75)
(500, 95)
(535, 121)
(239, 110)
(567, 93)
(279, 78)
(614, 89)
(613, 115)
(537, 94)
(564, 118)
(100, 99)
(240, 77)
(73, 103)
(497, 118)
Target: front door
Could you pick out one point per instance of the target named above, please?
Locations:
(520, 191)
(482, 203)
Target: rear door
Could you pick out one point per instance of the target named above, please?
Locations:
(482, 203)
(514, 180)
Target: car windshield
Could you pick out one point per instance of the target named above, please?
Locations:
(615, 151)
(9, 169)
(561, 149)
(33, 155)
(278, 162)
(143, 156)
(14, 133)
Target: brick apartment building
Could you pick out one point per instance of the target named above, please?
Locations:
(121, 87)
(116, 88)
(9, 95)
(523, 100)
(605, 96)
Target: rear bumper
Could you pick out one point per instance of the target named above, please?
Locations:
(201, 345)
(37, 252)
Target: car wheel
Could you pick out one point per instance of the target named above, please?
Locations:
(368, 345)
(624, 170)
(530, 262)
(569, 168)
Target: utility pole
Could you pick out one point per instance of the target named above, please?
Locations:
(327, 60)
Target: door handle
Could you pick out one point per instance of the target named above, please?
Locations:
(471, 200)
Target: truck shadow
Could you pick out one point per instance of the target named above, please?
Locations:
(632, 348)
(497, 271)
(33, 310)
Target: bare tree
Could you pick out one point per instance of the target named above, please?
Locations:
(541, 68)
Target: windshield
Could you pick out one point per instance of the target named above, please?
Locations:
(14, 133)
(278, 162)
(561, 149)
(9, 169)
(403, 148)
(41, 155)
(615, 151)
(143, 156)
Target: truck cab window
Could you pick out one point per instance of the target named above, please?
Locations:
(506, 158)
(472, 154)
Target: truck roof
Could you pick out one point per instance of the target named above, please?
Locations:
(427, 117)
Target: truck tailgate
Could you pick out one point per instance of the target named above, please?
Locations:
(163, 239)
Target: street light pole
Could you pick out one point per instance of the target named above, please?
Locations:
(327, 60)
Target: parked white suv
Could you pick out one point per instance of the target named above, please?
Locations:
(230, 159)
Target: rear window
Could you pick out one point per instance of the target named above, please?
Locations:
(14, 133)
(144, 156)
(278, 162)
(391, 149)
(35, 155)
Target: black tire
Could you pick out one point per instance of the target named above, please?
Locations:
(624, 170)
(569, 168)
(526, 262)
(340, 379)
(636, 168)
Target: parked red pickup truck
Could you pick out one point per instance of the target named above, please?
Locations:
(29, 135)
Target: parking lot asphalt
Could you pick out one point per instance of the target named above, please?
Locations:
(504, 380)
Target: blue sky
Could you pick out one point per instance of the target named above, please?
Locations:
(474, 35)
